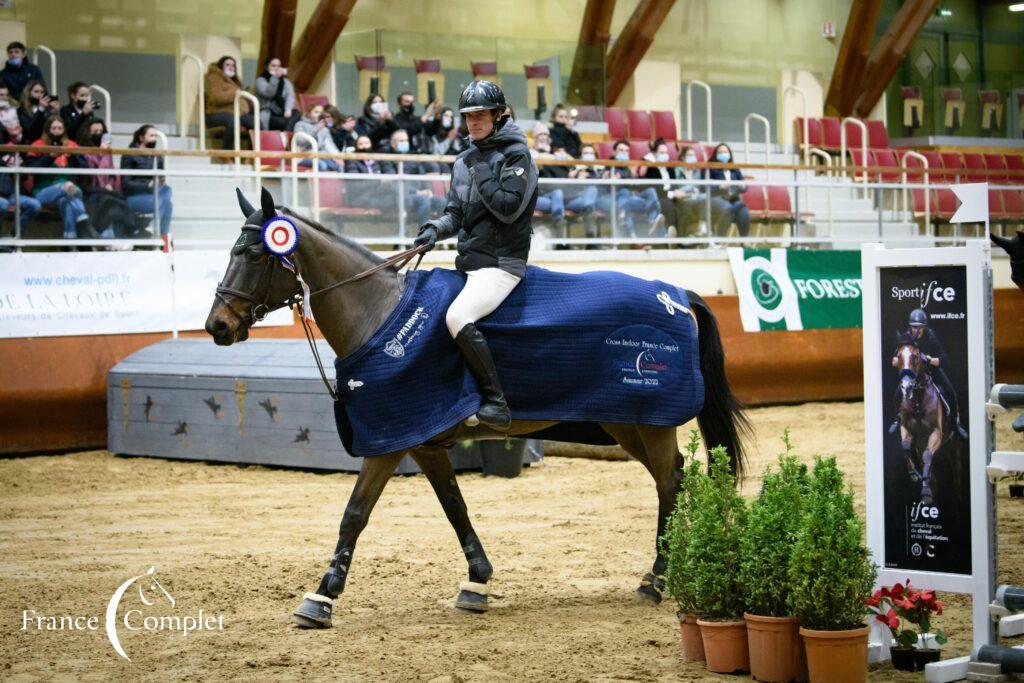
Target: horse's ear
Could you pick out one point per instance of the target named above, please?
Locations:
(267, 203)
(243, 203)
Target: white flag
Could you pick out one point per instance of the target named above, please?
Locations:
(973, 203)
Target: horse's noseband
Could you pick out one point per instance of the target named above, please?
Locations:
(260, 308)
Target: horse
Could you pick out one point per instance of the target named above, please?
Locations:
(360, 291)
(924, 418)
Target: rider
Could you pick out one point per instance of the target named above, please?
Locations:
(490, 204)
(933, 354)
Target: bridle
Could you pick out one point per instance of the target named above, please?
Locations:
(260, 307)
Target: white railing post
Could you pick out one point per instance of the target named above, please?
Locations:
(53, 64)
(243, 95)
(767, 138)
(315, 170)
(201, 107)
(927, 192)
(689, 109)
(822, 154)
(107, 116)
(803, 117)
(863, 147)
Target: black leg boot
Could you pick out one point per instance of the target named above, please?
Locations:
(493, 410)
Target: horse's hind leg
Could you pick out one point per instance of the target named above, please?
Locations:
(656, 448)
(435, 464)
(315, 610)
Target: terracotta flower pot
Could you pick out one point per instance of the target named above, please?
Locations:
(836, 656)
(776, 649)
(725, 645)
(693, 646)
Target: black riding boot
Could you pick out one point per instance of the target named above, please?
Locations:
(493, 410)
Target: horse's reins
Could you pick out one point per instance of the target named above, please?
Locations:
(400, 260)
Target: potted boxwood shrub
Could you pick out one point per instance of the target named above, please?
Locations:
(717, 515)
(776, 649)
(831, 575)
(678, 575)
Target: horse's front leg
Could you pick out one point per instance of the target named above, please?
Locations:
(435, 464)
(934, 440)
(315, 610)
(908, 456)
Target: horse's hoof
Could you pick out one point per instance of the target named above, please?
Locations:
(472, 597)
(314, 612)
(651, 588)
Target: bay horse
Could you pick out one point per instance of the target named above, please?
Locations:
(923, 416)
(256, 282)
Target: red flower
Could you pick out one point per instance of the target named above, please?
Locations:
(891, 619)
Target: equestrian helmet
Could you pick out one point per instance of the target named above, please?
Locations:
(481, 96)
(918, 318)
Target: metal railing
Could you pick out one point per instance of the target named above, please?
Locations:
(927, 192)
(314, 180)
(767, 137)
(187, 57)
(689, 109)
(107, 116)
(827, 158)
(863, 143)
(236, 112)
(53, 65)
(803, 117)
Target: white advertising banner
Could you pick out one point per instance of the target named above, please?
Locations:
(84, 293)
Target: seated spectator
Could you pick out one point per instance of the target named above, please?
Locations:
(443, 138)
(36, 107)
(659, 153)
(732, 193)
(550, 200)
(8, 109)
(369, 166)
(583, 200)
(376, 194)
(80, 105)
(57, 190)
(147, 193)
(629, 204)
(29, 205)
(691, 200)
(342, 127)
(277, 97)
(19, 71)
(407, 120)
(314, 124)
(221, 82)
(110, 213)
(423, 202)
(377, 121)
(561, 134)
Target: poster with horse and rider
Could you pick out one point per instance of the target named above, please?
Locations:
(924, 338)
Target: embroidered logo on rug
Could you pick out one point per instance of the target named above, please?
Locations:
(407, 334)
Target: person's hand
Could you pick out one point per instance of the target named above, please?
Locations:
(71, 188)
(427, 236)
(151, 184)
(108, 187)
(287, 113)
(894, 361)
(386, 115)
(282, 71)
(104, 144)
(934, 361)
(320, 124)
(44, 101)
(87, 109)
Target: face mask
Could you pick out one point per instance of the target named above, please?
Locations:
(97, 139)
(556, 123)
(402, 147)
(408, 108)
(4, 104)
(561, 155)
(33, 100)
(588, 156)
(622, 156)
(543, 147)
(723, 157)
(363, 150)
(662, 157)
(151, 144)
(690, 158)
(14, 61)
(447, 122)
(378, 107)
(329, 122)
(229, 72)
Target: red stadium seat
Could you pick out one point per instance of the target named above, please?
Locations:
(333, 200)
(918, 195)
(1013, 204)
(307, 100)
(996, 164)
(953, 165)
(995, 204)
(830, 136)
(757, 203)
(1014, 168)
(271, 141)
(779, 203)
(886, 158)
(974, 164)
(616, 120)
(605, 149)
(673, 150)
(639, 124)
(664, 125)
(814, 132)
(878, 136)
(857, 158)
(854, 135)
(638, 149)
(944, 204)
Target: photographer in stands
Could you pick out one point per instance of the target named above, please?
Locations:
(561, 134)
(36, 107)
(314, 124)
(377, 121)
(277, 97)
(80, 106)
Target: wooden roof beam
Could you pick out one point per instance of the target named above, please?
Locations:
(317, 40)
(591, 48)
(278, 28)
(853, 55)
(632, 44)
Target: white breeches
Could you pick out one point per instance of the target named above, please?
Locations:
(484, 291)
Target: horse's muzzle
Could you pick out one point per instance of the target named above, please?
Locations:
(225, 334)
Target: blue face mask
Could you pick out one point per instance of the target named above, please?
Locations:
(723, 157)
(622, 156)
(402, 147)
(14, 61)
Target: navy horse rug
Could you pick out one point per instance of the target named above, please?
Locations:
(584, 349)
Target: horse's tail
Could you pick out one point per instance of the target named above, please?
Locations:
(721, 420)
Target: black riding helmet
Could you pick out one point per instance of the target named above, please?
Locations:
(484, 96)
(918, 318)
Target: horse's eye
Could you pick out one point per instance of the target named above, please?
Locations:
(254, 253)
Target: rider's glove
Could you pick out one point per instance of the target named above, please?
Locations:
(427, 236)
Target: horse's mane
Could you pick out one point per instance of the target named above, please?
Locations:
(335, 237)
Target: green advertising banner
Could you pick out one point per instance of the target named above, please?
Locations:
(788, 289)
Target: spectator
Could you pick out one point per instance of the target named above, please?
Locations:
(342, 127)
(277, 97)
(103, 199)
(148, 194)
(659, 153)
(57, 190)
(423, 202)
(691, 200)
(368, 166)
(550, 200)
(222, 83)
(80, 105)
(8, 109)
(630, 204)
(583, 200)
(314, 124)
(561, 134)
(415, 126)
(36, 107)
(377, 121)
(29, 205)
(18, 72)
(732, 193)
(444, 135)
(375, 194)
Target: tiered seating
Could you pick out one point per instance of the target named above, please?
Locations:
(307, 100)
(639, 121)
(617, 126)
(664, 125)
(272, 141)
